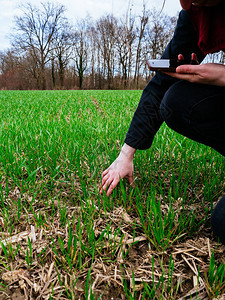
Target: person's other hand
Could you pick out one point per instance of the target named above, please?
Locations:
(210, 73)
(121, 168)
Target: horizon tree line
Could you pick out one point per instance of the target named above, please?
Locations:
(48, 52)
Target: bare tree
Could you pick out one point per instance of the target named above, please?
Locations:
(159, 32)
(80, 44)
(125, 38)
(106, 28)
(8, 60)
(35, 31)
(92, 36)
(140, 34)
(13, 74)
(62, 51)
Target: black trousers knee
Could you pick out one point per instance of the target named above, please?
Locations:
(198, 112)
(218, 219)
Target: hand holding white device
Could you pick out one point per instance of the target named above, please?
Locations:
(168, 65)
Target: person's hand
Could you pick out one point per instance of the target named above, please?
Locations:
(122, 167)
(210, 73)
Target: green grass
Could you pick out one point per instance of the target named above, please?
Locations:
(54, 145)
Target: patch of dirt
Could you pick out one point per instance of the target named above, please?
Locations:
(15, 294)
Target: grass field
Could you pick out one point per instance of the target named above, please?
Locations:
(60, 239)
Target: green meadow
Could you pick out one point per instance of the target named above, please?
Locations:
(61, 239)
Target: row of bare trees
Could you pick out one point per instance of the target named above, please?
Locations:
(50, 53)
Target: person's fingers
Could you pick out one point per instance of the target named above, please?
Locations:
(109, 192)
(101, 187)
(113, 186)
(106, 177)
(194, 57)
(131, 180)
(105, 172)
(188, 69)
(107, 183)
(180, 57)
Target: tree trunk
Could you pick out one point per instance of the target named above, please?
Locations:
(53, 74)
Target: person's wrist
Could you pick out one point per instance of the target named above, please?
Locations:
(223, 76)
(127, 152)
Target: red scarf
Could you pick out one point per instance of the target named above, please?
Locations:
(210, 24)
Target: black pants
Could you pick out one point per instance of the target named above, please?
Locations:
(198, 112)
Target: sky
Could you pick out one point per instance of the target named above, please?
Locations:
(79, 9)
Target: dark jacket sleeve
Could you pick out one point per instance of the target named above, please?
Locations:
(147, 120)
